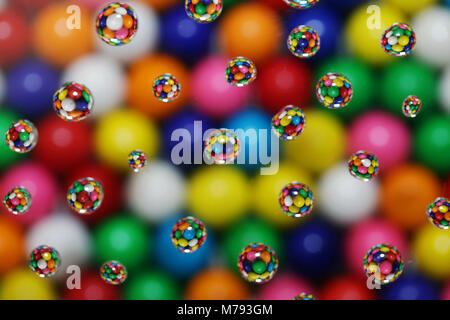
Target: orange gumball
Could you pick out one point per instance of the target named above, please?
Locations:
(406, 191)
(161, 4)
(60, 37)
(141, 76)
(217, 284)
(12, 245)
(251, 30)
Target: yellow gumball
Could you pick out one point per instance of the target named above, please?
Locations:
(218, 195)
(365, 27)
(122, 131)
(432, 251)
(411, 6)
(267, 188)
(321, 145)
(22, 284)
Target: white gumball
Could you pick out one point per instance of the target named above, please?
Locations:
(67, 235)
(105, 78)
(343, 199)
(156, 192)
(114, 22)
(143, 43)
(432, 27)
(444, 89)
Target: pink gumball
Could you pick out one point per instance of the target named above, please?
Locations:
(284, 286)
(446, 292)
(39, 182)
(382, 134)
(93, 4)
(212, 95)
(368, 233)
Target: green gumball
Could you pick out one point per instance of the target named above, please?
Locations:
(248, 231)
(123, 238)
(7, 156)
(408, 77)
(152, 285)
(432, 143)
(360, 75)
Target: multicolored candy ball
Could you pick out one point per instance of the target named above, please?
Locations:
(305, 296)
(113, 272)
(384, 262)
(334, 91)
(117, 24)
(411, 106)
(296, 200)
(438, 212)
(166, 88)
(137, 160)
(22, 136)
(85, 195)
(288, 123)
(188, 234)
(73, 102)
(399, 40)
(303, 42)
(240, 72)
(363, 165)
(203, 11)
(222, 146)
(17, 200)
(301, 4)
(44, 261)
(257, 263)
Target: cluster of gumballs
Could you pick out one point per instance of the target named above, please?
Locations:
(22, 136)
(384, 262)
(137, 160)
(73, 102)
(240, 72)
(438, 213)
(258, 263)
(17, 200)
(363, 165)
(188, 234)
(222, 146)
(289, 122)
(85, 195)
(117, 24)
(334, 91)
(398, 40)
(303, 42)
(296, 200)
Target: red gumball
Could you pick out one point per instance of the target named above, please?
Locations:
(63, 145)
(447, 188)
(14, 36)
(92, 288)
(32, 4)
(284, 81)
(346, 288)
(112, 189)
(276, 4)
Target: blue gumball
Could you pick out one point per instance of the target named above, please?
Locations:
(313, 248)
(184, 37)
(179, 264)
(322, 19)
(189, 121)
(410, 287)
(252, 120)
(30, 86)
(346, 4)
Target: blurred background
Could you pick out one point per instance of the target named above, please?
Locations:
(320, 254)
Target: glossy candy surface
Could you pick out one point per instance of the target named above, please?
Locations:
(188, 234)
(288, 123)
(398, 40)
(334, 91)
(17, 200)
(44, 261)
(117, 24)
(257, 263)
(73, 102)
(303, 42)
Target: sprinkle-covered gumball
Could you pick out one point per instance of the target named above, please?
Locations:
(85, 195)
(334, 91)
(296, 200)
(17, 200)
(166, 88)
(137, 160)
(411, 106)
(303, 42)
(438, 212)
(384, 262)
(113, 272)
(288, 123)
(363, 165)
(73, 102)
(44, 261)
(240, 72)
(203, 11)
(188, 234)
(301, 4)
(257, 263)
(399, 40)
(222, 146)
(304, 296)
(22, 136)
(117, 24)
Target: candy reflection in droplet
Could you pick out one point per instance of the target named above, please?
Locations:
(17, 200)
